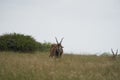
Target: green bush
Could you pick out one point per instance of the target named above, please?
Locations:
(21, 43)
(44, 47)
(106, 54)
(17, 42)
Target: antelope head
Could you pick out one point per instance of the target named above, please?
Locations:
(114, 54)
(59, 47)
(59, 43)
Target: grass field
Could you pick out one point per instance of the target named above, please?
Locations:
(38, 66)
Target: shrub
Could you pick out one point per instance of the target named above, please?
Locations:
(44, 47)
(21, 43)
(17, 42)
(105, 54)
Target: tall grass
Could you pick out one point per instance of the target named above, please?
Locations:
(15, 66)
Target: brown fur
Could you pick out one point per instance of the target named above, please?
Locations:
(56, 49)
(53, 49)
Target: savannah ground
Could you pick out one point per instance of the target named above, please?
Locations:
(38, 66)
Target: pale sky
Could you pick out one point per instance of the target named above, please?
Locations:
(91, 26)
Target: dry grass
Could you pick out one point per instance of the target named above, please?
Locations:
(38, 66)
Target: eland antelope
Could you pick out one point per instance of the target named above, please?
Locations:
(114, 54)
(56, 50)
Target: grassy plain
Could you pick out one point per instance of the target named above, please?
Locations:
(38, 66)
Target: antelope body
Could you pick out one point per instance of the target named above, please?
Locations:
(56, 50)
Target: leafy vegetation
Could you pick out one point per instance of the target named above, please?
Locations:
(70, 67)
(44, 47)
(106, 54)
(21, 43)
